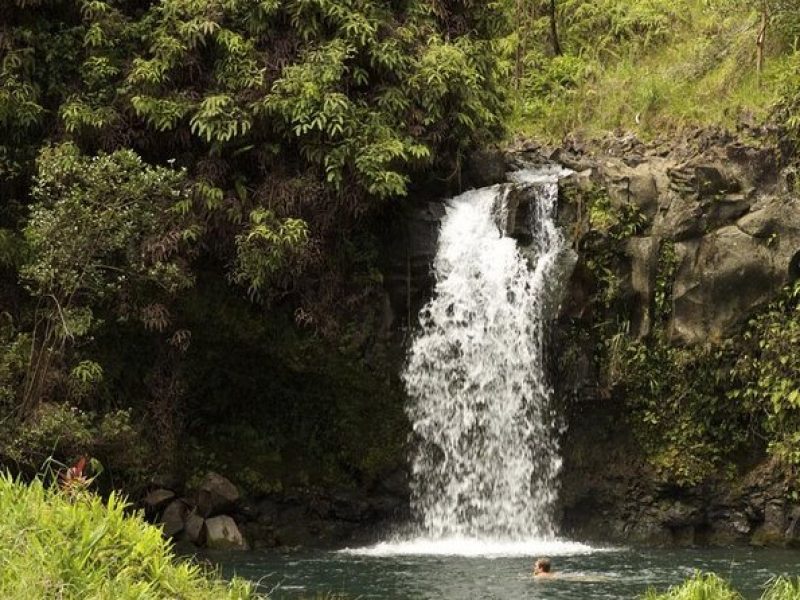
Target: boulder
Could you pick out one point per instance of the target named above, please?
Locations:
(173, 517)
(792, 534)
(156, 500)
(681, 515)
(222, 533)
(721, 278)
(682, 219)
(485, 167)
(216, 495)
(637, 185)
(193, 528)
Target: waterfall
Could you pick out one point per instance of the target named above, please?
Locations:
(486, 457)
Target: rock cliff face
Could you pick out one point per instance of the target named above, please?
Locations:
(730, 210)
(731, 214)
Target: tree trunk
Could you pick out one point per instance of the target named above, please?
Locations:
(761, 41)
(521, 33)
(554, 28)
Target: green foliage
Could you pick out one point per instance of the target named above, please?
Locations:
(679, 410)
(676, 398)
(99, 225)
(102, 235)
(703, 586)
(692, 409)
(709, 586)
(65, 432)
(262, 249)
(276, 408)
(667, 269)
(767, 373)
(144, 145)
(54, 545)
(609, 226)
(615, 222)
(359, 92)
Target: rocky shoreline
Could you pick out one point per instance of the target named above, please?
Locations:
(215, 515)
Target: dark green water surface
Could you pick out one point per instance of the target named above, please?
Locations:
(604, 574)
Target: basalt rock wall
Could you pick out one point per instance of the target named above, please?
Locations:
(730, 212)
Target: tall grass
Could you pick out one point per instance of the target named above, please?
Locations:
(699, 71)
(708, 586)
(56, 546)
(783, 588)
(703, 586)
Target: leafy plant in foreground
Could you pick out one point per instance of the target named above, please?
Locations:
(79, 546)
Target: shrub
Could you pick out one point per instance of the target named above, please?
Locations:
(54, 545)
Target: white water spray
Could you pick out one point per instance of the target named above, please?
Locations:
(486, 461)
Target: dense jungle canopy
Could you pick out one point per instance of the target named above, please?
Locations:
(195, 194)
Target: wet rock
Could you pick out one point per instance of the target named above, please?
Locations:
(156, 500)
(193, 528)
(321, 507)
(395, 483)
(411, 247)
(294, 534)
(349, 507)
(485, 167)
(267, 511)
(775, 517)
(172, 519)
(384, 506)
(260, 535)
(643, 253)
(792, 533)
(222, 533)
(680, 514)
(216, 495)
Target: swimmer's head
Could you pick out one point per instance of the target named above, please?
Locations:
(542, 566)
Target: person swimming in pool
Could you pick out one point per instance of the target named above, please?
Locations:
(543, 568)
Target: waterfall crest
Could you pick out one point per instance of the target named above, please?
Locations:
(486, 458)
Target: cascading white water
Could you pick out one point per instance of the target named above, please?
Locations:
(486, 458)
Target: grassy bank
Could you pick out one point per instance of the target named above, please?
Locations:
(651, 67)
(54, 545)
